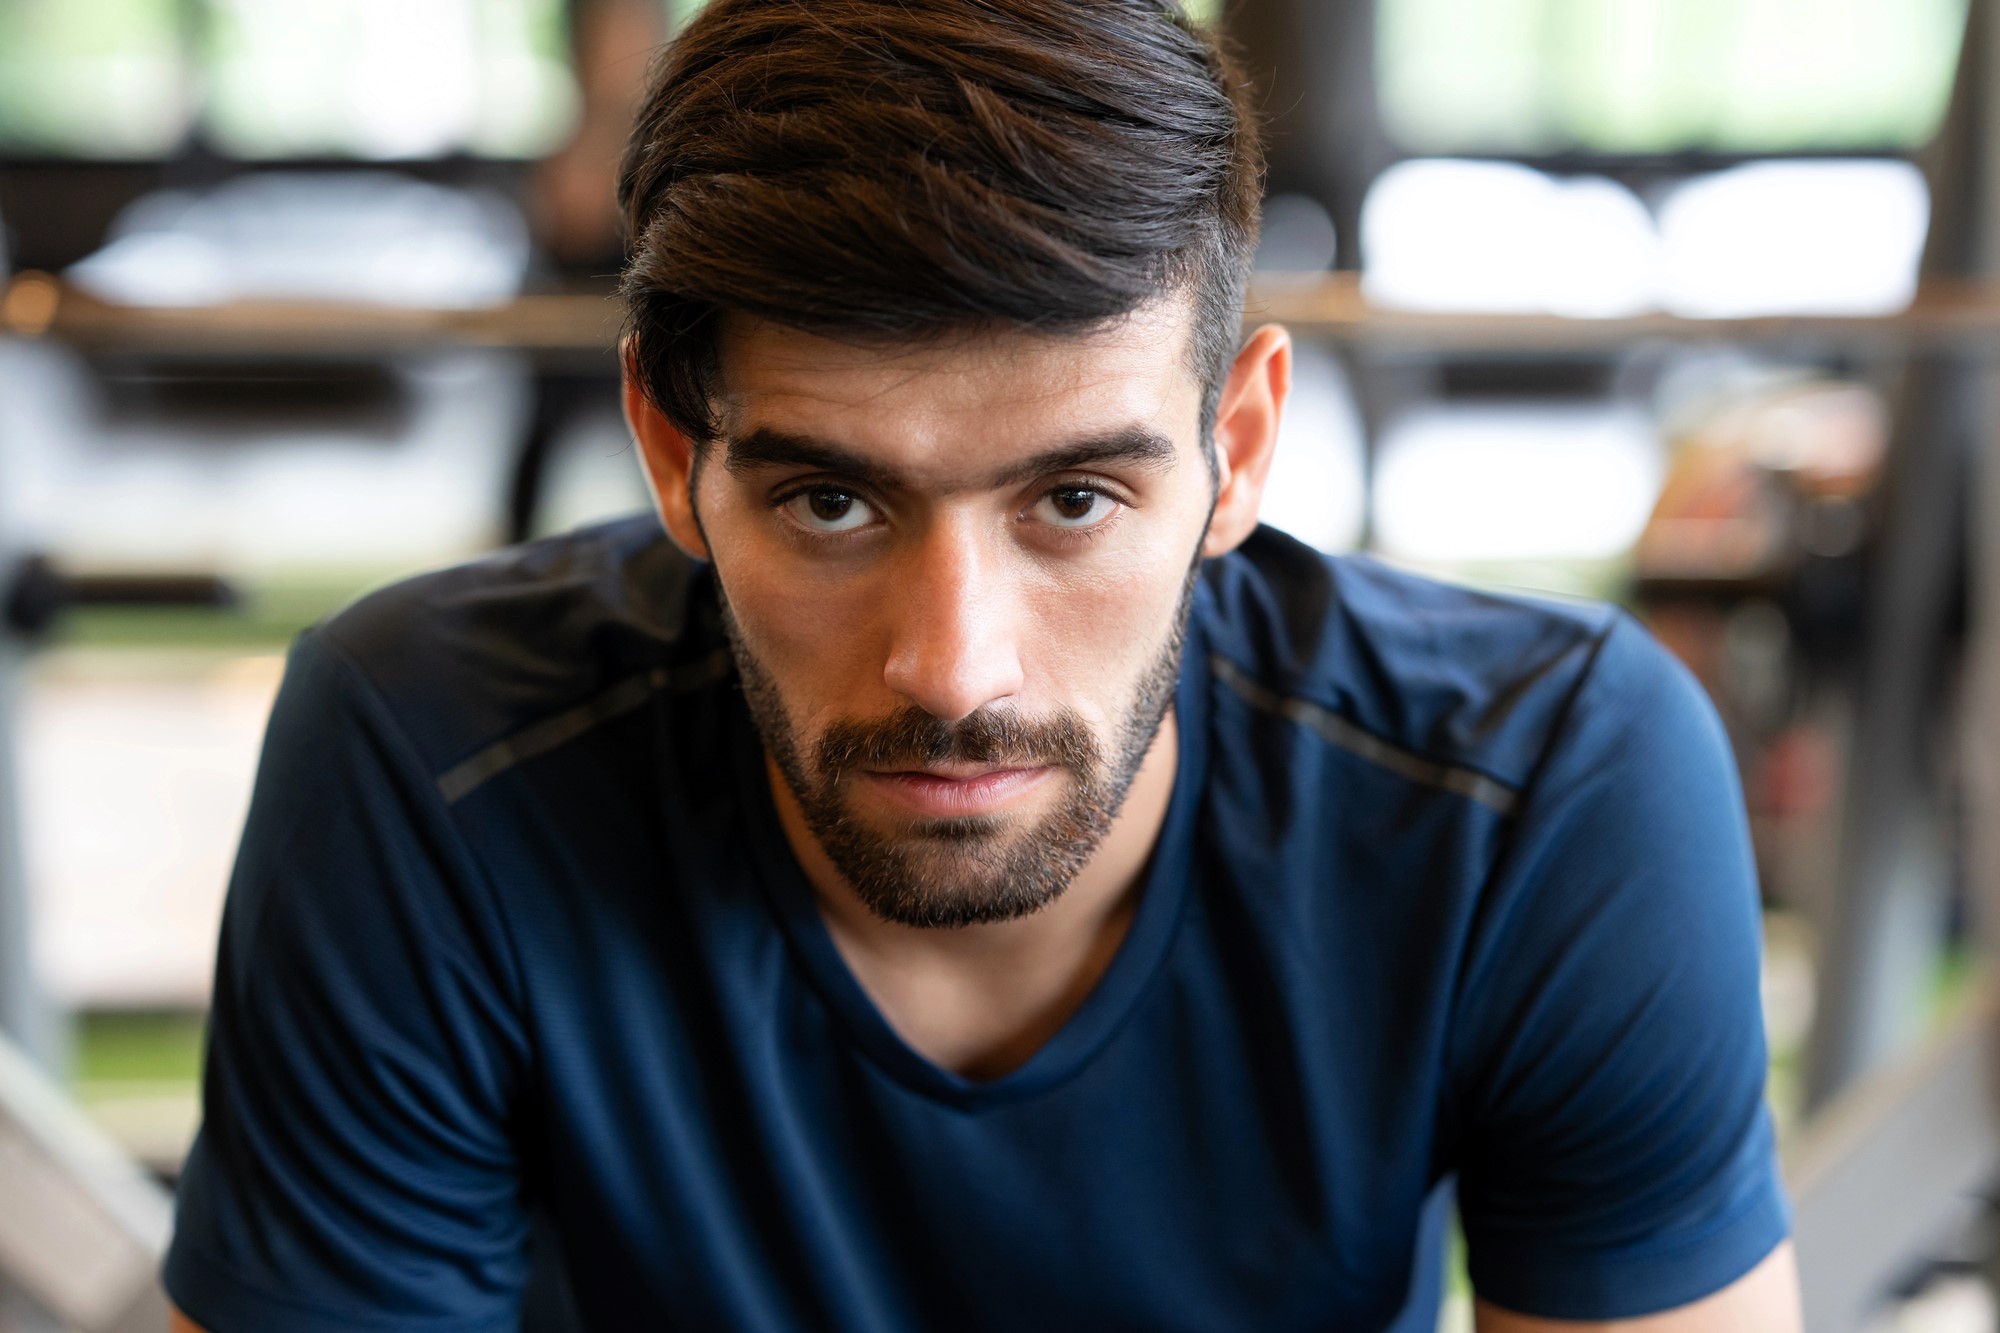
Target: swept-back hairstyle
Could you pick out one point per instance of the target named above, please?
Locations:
(898, 169)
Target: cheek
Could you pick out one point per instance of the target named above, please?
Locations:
(1085, 626)
(817, 636)
(1094, 629)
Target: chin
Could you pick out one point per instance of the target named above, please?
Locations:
(957, 905)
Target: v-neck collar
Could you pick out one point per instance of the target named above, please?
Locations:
(1109, 1002)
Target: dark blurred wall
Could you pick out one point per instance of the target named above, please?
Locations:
(1313, 62)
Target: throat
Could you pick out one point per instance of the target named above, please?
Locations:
(980, 1000)
(983, 1011)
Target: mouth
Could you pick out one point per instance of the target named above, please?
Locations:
(948, 791)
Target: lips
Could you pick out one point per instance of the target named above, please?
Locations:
(944, 791)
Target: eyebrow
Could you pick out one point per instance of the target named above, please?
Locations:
(1129, 446)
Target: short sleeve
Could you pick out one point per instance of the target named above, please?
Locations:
(1608, 1052)
(356, 1166)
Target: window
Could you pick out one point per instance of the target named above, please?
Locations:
(1528, 77)
(92, 78)
(273, 79)
(388, 78)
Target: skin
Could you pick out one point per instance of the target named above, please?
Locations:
(965, 589)
(959, 589)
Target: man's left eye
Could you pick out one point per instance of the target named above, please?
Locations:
(1074, 507)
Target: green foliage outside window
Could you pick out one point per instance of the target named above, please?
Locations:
(375, 78)
(1652, 76)
(285, 78)
(107, 78)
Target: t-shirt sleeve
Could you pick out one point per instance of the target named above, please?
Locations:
(1616, 1152)
(356, 1166)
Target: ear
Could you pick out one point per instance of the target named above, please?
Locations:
(668, 457)
(1246, 434)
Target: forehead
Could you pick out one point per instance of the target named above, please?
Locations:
(967, 401)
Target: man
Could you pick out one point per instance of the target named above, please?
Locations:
(965, 874)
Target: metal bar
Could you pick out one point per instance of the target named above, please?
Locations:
(1885, 924)
(83, 1229)
(1946, 313)
(1895, 1170)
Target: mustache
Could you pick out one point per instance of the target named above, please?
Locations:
(912, 738)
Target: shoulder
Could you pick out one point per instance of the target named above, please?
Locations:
(460, 657)
(1472, 680)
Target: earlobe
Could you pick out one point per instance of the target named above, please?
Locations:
(1246, 434)
(667, 457)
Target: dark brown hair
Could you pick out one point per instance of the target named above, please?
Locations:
(897, 169)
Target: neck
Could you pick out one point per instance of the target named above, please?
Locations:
(981, 999)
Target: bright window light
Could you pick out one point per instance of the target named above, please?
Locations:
(1515, 482)
(299, 495)
(103, 79)
(1315, 488)
(1657, 76)
(1204, 12)
(1831, 238)
(1441, 234)
(388, 79)
(347, 236)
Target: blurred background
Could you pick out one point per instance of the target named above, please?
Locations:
(1688, 304)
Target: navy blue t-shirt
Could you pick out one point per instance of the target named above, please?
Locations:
(1451, 886)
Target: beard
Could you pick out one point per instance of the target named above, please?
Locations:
(940, 873)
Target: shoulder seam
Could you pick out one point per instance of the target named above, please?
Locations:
(551, 733)
(1558, 730)
(1337, 730)
(369, 698)
(1565, 716)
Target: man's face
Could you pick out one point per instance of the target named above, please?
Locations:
(956, 578)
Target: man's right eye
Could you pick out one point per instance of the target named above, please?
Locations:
(828, 509)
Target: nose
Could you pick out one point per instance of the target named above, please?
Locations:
(953, 648)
